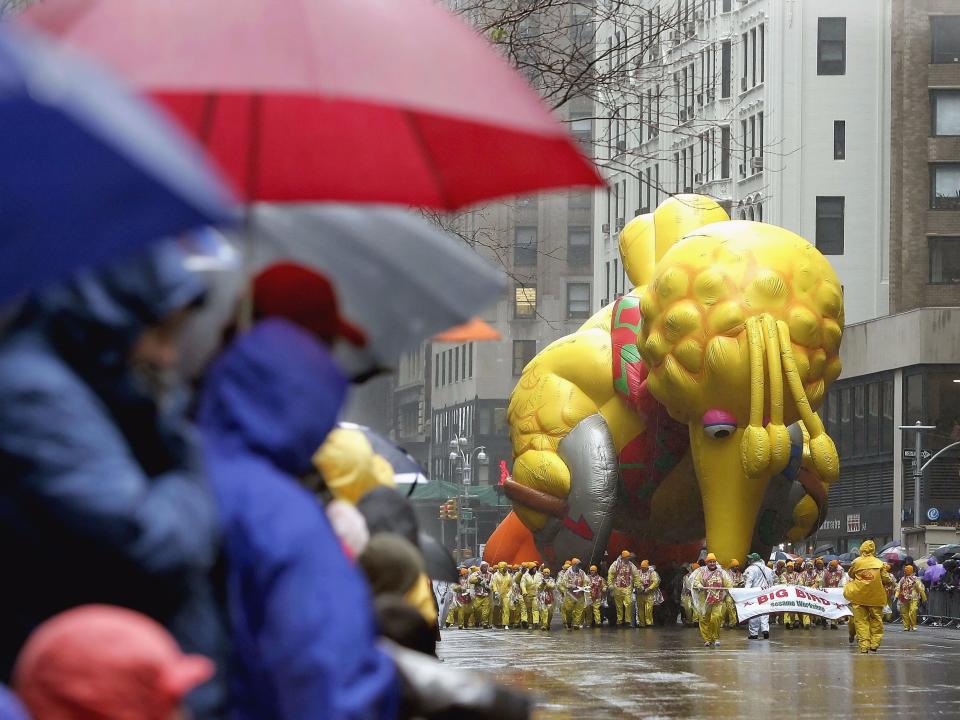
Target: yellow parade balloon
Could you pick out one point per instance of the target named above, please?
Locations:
(687, 408)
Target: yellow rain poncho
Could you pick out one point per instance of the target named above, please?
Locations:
(866, 578)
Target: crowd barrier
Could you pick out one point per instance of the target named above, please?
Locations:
(942, 608)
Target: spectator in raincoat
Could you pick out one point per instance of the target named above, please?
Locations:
(867, 594)
(528, 594)
(933, 573)
(301, 617)
(910, 593)
(103, 497)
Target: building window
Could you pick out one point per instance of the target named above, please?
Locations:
(725, 152)
(945, 38)
(456, 364)
(463, 363)
(763, 51)
(726, 5)
(578, 300)
(470, 363)
(523, 352)
(944, 259)
(581, 126)
(579, 200)
(831, 46)
(616, 278)
(436, 370)
(839, 139)
(945, 186)
(830, 225)
(945, 112)
(525, 301)
(725, 69)
(578, 246)
(443, 368)
(607, 297)
(525, 246)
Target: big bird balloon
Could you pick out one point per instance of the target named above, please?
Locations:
(686, 409)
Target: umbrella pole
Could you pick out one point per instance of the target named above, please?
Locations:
(245, 306)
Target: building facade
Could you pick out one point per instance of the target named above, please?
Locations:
(778, 109)
(925, 146)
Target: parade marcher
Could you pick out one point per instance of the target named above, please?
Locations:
(687, 607)
(647, 584)
(528, 595)
(501, 584)
(832, 578)
(887, 614)
(789, 577)
(598, 593)
(808, 578)
(462, 600)
(709, 585)
(910, 593)
(729, 606)
(546, 598)
(757, 575)
(867, 594)
(480, 580)
(621, 578)
(516, 598)
(574, 586)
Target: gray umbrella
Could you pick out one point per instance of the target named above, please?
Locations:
(397, 277)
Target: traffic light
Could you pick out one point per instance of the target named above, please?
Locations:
(443, 511)
(452, 509)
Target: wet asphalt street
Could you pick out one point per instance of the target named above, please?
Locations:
(667, 673)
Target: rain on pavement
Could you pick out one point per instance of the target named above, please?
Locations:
(667, 673)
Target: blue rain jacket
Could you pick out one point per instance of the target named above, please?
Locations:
(102, 499)
(301, 617)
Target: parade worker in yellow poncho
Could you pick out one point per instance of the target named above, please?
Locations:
(867, 596)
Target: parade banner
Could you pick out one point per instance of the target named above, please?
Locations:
(828, 603)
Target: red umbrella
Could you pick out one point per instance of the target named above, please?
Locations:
(353, 100)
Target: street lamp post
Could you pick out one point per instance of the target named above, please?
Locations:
(459, 452)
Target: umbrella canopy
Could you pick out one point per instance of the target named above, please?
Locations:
(894, 554)
(89, 172)
(785, 556)
(358, 100)
(398, 278)
(945, 551)
(406, 470)
(473, 329)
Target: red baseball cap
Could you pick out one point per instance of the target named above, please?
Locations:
(100, 661)
(306, 298)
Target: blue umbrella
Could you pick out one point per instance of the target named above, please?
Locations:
(89, 171)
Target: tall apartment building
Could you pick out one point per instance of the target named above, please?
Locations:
(779, 109)
(906, 367)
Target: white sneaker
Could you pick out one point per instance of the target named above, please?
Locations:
(716, 643)
(707, 644)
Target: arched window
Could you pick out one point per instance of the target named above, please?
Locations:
(749, 213)
(760, 212)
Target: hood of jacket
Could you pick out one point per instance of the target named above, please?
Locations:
(95, 319)
(276, 392)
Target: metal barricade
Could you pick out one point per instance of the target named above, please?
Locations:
(942, 608)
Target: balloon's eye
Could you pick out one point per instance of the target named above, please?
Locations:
(718, 424)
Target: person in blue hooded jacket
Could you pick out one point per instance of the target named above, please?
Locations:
(301, 617)
(102, 499)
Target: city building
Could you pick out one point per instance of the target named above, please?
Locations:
(778, 109)
(905, 368)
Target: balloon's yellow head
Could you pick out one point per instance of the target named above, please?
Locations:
(741, 335)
